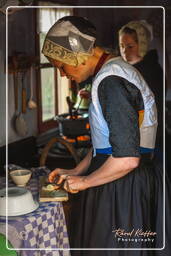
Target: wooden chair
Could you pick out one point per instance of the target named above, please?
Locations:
(62, 141)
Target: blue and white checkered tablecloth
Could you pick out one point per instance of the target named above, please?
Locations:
(45, 228)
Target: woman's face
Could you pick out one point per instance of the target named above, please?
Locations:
(129, 48)
(78, 74)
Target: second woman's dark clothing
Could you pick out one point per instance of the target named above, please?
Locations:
(152, 72)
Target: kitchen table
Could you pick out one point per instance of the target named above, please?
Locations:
(45, 228)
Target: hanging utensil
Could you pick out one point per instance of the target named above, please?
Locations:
(20, 123)
(31, 103)
(23, 96)
(15, 83)
(15, 79)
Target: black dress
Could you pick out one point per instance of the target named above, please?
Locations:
(128, 212)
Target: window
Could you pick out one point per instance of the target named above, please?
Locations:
(51, 98)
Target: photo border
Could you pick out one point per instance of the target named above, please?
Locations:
(87, 249)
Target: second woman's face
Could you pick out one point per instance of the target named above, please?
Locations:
(78, 74)
(129, 48)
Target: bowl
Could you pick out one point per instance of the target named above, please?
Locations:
(19, 201)
(20, 177)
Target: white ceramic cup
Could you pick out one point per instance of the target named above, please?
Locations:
(20, 177)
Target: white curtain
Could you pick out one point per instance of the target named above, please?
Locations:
(63, 92)
(48, 16)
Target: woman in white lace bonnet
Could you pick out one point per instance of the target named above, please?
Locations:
(134, 40)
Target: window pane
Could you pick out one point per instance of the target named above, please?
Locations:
(48, 93)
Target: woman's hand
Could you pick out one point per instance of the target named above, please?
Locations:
(58, 175)
(83, 93)
(74, 184)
